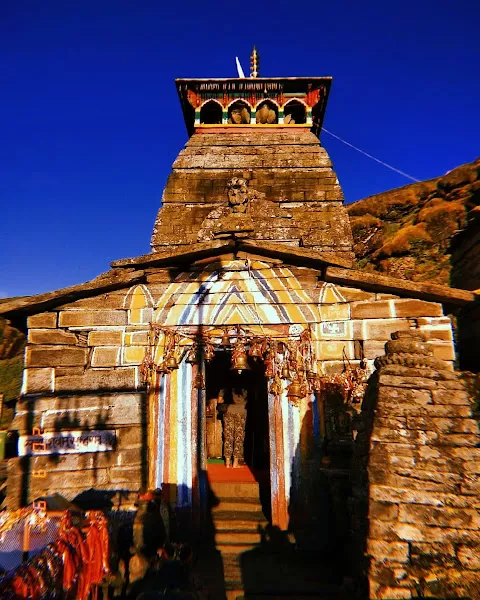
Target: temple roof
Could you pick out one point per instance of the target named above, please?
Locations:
(131, 271)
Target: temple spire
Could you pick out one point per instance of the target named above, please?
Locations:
(254, 64)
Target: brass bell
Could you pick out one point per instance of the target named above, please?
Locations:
(162, 367)
(269, 366)
(294, 390)
(225, 339)
(255, 350)
(285, 371)
(209, 352)
(240, 362)
(192, 356)
(171, 362)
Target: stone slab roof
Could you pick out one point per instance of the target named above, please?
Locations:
(130, 271)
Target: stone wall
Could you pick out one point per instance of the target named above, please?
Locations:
(417, 476)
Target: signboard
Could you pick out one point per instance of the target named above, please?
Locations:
(66, 442)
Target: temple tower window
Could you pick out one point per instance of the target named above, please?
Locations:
(239, 113)
(211, 113)
(295, 112)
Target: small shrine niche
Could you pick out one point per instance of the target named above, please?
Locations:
(267, 113)
(211, 113)
(295, 112)
(239, 113)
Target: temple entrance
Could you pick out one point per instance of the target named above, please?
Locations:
(222, 383)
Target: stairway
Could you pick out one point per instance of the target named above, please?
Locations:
(238, 519)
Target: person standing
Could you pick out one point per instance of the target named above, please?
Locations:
(234, 421)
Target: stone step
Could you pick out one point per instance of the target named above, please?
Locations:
(247, 526)
(255, 516)
(236, 548)
(237, 504)
(235, 489)
(237, 536)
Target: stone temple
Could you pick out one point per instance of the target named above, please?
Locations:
(354, 444)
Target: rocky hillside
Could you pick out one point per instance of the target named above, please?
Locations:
(406, 232)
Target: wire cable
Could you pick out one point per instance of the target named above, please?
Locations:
(370, 156)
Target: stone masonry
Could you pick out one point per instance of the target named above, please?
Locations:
(417, 477)
(302, 203)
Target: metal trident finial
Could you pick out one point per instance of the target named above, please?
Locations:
(254, 64)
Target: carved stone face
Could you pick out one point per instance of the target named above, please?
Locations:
(237, 194)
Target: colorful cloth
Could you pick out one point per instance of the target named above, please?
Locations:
(233, 435)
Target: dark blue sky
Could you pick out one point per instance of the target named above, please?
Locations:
(90, 121)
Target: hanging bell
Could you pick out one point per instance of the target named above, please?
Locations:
(209, 352)
(225, 339)
(294, 390)
(171, 362)
(239, 361)
(285, 371)
(192, 356)
(276, 387)
(269, 366)
(255, 350)
(162, 367)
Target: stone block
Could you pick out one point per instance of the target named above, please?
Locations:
(130, 436)
(421, 383)
(47, 320)
(459, 397)
(134, 355)
(385, 511)
(51, 337)
(99, 379)
(36, 381)
(127, 475)
(440, 517)
(443, 350)
(417, 308)
(91, 318)
(335, 312)
(372, 310)
(105, 338)
(469, 556)
(373, 348)
(114, 300)
(444, 425)
(403, 400)
(379, 329)
(335, 350)
(135, 338)
(389, 551)
(53, 356)
(105, 356)
(431, 554)
(388, 493)
(67, 371)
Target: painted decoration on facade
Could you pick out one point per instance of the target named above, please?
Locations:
(236, 294)
(66, 442)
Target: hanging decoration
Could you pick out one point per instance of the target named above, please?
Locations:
(290, 362)
(71, 567)
(239, 357)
